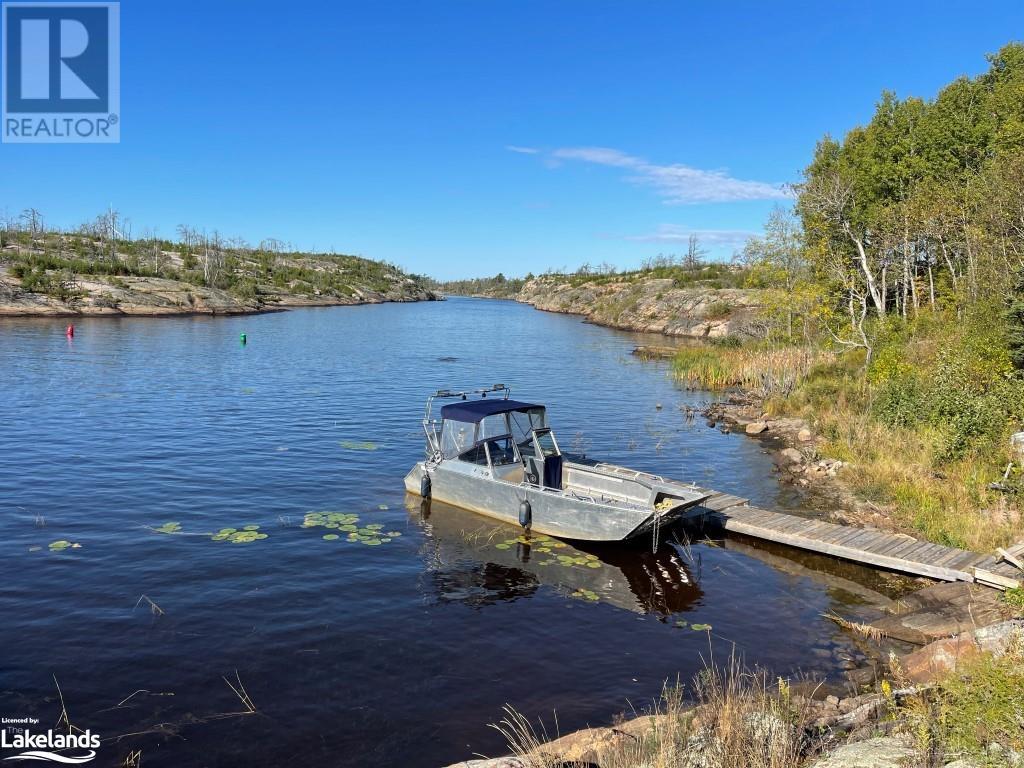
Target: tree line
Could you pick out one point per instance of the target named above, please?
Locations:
(922, 207)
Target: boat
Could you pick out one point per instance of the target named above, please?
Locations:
(499, 457)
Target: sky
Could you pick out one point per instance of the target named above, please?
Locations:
(460, 138)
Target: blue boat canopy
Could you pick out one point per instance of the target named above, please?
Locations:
(475, 410)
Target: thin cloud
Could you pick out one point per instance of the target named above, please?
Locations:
(673, 233)
(522, 150)
(677, 184)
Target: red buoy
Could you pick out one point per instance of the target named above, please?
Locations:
(70, 331)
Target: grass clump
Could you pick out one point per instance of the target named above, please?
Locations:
(727, 718)
(976, 712)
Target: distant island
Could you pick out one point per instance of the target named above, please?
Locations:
(98, 270)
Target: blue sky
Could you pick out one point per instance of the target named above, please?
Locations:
(463, 138)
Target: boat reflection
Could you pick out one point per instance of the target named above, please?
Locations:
(476, 561)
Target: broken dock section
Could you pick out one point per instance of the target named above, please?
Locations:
(893, 551)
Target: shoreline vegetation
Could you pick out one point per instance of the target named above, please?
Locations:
(99, 270)
(887, 340)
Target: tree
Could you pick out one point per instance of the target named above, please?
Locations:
(779, 261)
(694, 257)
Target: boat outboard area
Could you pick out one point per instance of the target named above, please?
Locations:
(499, 457)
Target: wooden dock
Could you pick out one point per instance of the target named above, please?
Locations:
(893, 551)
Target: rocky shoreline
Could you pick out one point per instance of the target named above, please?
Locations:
(647, 305)
(105, 296)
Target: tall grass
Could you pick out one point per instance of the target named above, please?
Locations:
(737, 719)
(928, 477)
(766, 371)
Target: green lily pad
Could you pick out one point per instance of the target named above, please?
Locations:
(358, 445)
(374, 526)
(348, 527)
(393, 534)
(227, 531)
(503, 546)
(681, 623)
(330, 537)
(250, 527)
(593, 565)
(701, 627)
(382, 506)
(168, 528)
(372, 542)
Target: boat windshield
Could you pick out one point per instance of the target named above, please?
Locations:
(456, 437)
(546, 441)
(521, 426)
(503, 451)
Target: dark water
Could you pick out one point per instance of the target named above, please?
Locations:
(397, 654)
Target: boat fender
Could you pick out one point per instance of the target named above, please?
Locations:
(525, 514)
(425, 486)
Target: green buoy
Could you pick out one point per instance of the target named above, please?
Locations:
(242, 338)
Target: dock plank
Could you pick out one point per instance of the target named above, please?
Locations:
(870, 547)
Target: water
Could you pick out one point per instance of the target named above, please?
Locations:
(398, 654)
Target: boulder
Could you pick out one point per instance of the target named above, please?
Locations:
(942, 656)
(791, 456)
(496, 762)
(804, 435)
(880, 752)
(756, 428)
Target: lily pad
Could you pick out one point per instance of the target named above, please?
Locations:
(503, 546)
(247, 535)
(169, 528)
(393, 534)
(382, 506)
(701, 627)
(358, 445)
(60, 545)
(330, 537)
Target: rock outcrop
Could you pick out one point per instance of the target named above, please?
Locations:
(155, 296)
(653, 305)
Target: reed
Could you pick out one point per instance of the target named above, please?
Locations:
(766, 371)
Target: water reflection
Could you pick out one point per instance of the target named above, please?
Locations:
(477, 561)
